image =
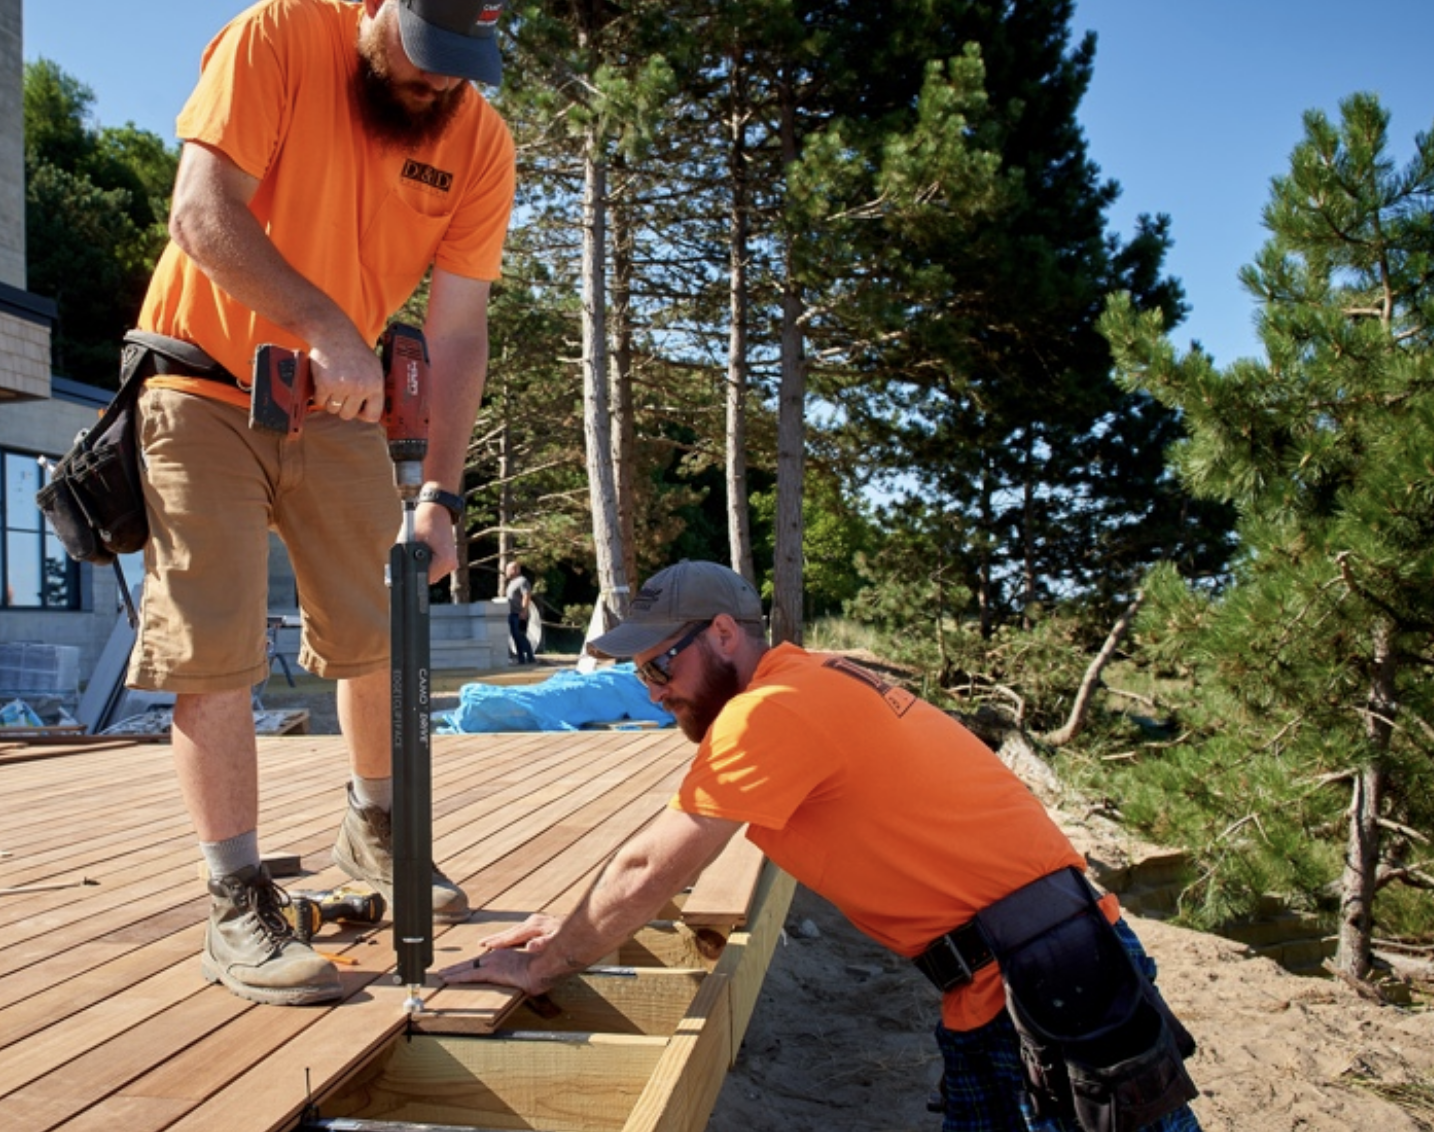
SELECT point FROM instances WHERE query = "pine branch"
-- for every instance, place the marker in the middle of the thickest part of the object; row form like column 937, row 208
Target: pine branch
column 1130, row 756
column 1300, row 616
column 1148, row 701
column 1280, row 734
column 1359, row 986
column 1395, row 827
column 1235, row 827
column 1413, row 878
column 1400, row 945
column 1405, row 623
column 1075, row 724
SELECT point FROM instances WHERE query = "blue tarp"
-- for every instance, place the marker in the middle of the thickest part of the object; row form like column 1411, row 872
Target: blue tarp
column 565, row 701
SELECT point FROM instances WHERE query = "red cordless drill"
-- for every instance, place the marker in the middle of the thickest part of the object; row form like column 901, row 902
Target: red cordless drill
column 283, row 389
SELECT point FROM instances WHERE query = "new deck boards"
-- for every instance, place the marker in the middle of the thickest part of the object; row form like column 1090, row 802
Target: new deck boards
column 105, row 1021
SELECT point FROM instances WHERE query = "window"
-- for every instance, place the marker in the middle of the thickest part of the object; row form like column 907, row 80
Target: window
column 38, row 573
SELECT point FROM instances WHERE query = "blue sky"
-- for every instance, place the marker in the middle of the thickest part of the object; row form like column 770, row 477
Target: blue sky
column 1194, row 106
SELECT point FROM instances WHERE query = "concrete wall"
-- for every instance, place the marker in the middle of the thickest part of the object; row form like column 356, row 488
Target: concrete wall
column 461, row 637
column 12, row 147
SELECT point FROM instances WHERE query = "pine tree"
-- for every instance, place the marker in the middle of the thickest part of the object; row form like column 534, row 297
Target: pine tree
column 958, row 330
column 1320, row 647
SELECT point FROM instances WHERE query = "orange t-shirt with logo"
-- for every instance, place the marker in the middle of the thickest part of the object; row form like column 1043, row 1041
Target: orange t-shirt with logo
column 879, row 801
column 359, row 220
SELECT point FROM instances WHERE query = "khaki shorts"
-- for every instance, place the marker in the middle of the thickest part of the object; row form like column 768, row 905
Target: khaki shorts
column 214, row 489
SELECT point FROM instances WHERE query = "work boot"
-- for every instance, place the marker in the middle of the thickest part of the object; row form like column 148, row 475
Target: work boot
column 252, row 950
column 364, row 850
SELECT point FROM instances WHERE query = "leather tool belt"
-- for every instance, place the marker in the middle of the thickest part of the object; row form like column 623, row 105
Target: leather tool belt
column 1098, row 1042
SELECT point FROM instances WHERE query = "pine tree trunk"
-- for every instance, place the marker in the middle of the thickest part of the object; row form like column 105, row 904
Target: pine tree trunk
column 739, row 535
column 597, row 410
column 1361, row 858
column 1361, row 861
column 506, row 551
column 1028, row 533
column 623, row 427
column 985, row 598
column 791, row 430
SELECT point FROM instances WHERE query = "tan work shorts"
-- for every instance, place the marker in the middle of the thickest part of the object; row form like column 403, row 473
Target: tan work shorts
column 214, row 488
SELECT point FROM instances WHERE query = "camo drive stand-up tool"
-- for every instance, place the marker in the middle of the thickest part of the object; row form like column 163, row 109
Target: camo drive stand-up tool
column 405, row 357
column 280, row 399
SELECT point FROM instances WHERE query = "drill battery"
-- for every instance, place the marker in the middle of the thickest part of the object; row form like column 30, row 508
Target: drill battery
column 282, row 388
column 307, row 912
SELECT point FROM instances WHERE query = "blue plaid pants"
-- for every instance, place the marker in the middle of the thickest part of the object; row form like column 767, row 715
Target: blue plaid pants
column 986, row 1086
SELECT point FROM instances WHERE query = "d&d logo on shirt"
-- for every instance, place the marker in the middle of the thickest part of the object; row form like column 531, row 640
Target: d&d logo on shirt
column 426, row 175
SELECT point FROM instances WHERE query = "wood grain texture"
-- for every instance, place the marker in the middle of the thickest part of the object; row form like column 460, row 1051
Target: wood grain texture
column 106, row 1023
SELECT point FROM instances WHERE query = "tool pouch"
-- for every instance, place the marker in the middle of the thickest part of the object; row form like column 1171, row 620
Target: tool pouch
column 1098, row 1041
column 94, row 500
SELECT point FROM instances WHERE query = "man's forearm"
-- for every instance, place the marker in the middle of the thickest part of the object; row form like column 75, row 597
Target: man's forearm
column 458, row 368
column 627, row 894
column 227, row 242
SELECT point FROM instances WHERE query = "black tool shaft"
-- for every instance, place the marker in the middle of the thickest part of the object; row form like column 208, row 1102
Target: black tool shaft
column 412, row 767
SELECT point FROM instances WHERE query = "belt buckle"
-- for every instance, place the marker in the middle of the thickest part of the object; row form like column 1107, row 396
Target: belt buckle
column 945, row 952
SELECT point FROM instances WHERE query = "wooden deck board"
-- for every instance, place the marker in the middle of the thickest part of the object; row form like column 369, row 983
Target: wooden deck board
column 105, row 1021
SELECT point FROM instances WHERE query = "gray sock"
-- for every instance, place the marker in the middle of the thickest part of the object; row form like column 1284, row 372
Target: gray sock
column 224, row 858
column 374, row 792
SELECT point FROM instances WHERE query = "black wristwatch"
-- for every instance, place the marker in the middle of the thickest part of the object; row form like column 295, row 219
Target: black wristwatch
column 452, row 501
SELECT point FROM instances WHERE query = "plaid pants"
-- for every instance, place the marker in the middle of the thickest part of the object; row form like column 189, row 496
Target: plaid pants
column 986, row 1086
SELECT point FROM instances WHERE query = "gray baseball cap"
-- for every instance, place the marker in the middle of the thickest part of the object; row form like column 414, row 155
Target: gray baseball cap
column 675, row 598
column 453, row 37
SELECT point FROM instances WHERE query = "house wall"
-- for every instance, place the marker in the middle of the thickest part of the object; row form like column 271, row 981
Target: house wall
column 12, row 147
column 47, row 428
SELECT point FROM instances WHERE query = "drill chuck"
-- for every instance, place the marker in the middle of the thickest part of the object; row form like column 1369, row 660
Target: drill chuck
column 407, row 475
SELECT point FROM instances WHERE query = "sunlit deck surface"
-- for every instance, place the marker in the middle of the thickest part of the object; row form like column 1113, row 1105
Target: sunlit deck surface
column 105, row 1020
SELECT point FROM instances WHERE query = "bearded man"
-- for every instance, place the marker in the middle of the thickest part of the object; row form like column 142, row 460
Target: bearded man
column 916, row 831
column 333, row 154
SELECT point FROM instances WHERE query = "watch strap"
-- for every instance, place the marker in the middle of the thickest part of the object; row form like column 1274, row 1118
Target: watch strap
column 450, row 500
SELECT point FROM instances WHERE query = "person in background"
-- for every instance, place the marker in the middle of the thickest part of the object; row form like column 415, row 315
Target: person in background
column 879, row 802
column 520, row 607
column 333, row 155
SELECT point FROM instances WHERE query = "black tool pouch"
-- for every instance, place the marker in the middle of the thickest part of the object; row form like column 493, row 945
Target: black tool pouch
column 1097, row 1040
column 94, row 500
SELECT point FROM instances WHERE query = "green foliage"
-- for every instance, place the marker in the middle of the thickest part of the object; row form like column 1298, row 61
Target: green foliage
column 1317, row 653
column 951, row 235
column 836, row 532
column 96, row 207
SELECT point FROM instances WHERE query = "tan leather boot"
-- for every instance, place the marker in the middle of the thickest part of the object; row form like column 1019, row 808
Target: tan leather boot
column 364, row 850
column 251, row 949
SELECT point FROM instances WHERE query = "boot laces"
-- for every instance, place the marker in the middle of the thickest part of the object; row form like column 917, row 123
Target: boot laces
column 268, row 901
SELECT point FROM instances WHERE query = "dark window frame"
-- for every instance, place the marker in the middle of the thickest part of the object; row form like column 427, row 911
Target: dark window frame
column 60, row 594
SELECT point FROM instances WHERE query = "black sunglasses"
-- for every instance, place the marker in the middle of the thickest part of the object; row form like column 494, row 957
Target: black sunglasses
column 658, row 671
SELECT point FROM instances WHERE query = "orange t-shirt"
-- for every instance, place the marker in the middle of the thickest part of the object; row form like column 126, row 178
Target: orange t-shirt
column 879, row 801
column 360, row 221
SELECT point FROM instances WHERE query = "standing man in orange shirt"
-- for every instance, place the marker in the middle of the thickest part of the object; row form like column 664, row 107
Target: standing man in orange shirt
column 915, row 830
column 333, row 154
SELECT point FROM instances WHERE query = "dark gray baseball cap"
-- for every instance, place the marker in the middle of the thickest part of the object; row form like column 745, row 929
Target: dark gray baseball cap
column 675, row 598
column 453, row 37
